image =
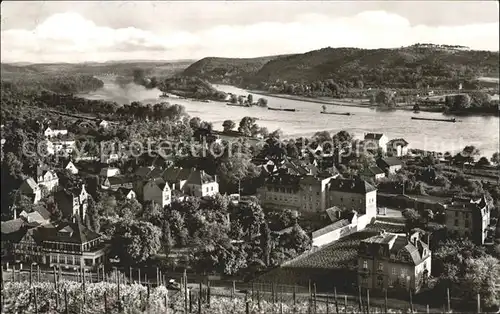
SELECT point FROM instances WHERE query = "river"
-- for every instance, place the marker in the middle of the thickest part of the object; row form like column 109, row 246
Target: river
column 480, row 131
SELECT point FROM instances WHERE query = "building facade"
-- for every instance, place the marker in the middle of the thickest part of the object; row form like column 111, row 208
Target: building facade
column 397, row 147
column 353, row 194
column 469, row 218
column 374, row 141
column 158, row 191
column 394, row 262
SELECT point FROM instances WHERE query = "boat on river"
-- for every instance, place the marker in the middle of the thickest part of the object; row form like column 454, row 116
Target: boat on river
column 337, row 113
column 236, row 105
column 282, row 109
column 440, row 120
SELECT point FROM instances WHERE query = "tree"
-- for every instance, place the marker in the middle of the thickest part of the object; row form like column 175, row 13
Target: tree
column 241, row 100
column 495, row 159
column 233, row 99
column 250, row 99
column 385, row 98
column 194, row 123
column 228, row 125
column 482, row 162
column 135, row 241
column 469, row 153
column 129, row 209
column 167, row 240
column 265, row 243
column 250, row 215
column 246, row 125
column 412, row 218
column 262, row 102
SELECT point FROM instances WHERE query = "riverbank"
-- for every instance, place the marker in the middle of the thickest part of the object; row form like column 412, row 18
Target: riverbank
column 352, row 103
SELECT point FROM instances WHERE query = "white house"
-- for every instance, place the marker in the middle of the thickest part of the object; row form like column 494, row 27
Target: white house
column 51, row 133
column 70, row 166
column 373, row 141
column 47, row 178
column 72, row 202
column 157, row 190
column 103, row 124
column 201, row 184
column 65, row 147
column 397, row 147
column 109, row 172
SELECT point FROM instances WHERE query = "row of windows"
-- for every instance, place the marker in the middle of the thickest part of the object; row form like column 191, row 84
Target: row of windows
column 467, row 223
column 404, row 271
column 466, row 214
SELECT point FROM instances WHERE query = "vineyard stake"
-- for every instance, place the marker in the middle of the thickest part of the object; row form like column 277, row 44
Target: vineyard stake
column 36, row 300
column 39, row 273
column 328, row 304
column 368, row 301
column 448, row 298
column 55, row 278
column 427, row 309
column 208, row 293
column 360, row 301
column 105, row 301
column 478, row 303
column 345, row 303
column 139, row 275
column 31, row 275
column 336, row 302
column 252, row 291
column 199, row 298
column 247, row 304
column 166, row 303
column 190, row 301
column 385, row 300
column 119, row 297
column 314, row 300
column 258, row 296
column 66, row 300
column 130, row 275
column 411, row 302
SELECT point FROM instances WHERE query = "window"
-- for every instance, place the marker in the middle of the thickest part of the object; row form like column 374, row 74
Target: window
column 342, row 199
column 456, row 214
column 403, row 272
column 365, row 264
column 380, row 266
column 456, row 222
column 317, row 193
column 394, row 270
column 467, row 224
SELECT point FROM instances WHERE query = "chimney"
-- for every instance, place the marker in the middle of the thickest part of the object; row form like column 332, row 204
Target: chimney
column 215, row 178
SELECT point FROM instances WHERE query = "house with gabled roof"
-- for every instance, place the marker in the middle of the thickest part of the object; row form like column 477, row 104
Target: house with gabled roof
column 125, row 193
column 201, row 184
column 397, row 147
column 30, row 188
column 374, row 173
column 396, row 262
column 353, row 194
column 53, row 132
column 374, row 141
column 47, row 178
column 72, row 202
column 158, row 191
column 390, row 165
column 70, row 166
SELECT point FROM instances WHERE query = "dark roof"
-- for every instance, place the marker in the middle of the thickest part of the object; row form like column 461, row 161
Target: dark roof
column 396, row 141
column 118, row 180
column 200, row 177
column 74, row 232
column 148, row 172
column 334, row 226
column 12, row 225
column 375, row 170
column 373, row 136
column 176, row 174
column 356, row 185
column 389, row 161
column 396, row 244
column 123, row 190
column 285, row 180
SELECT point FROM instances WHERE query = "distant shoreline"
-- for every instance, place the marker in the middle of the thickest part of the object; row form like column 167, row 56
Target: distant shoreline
column 361, row 105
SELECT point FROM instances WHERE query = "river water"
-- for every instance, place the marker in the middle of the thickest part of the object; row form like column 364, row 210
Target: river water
column 480, row 131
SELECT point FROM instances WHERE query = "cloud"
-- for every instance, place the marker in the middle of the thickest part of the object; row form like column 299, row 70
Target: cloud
column 70, row 37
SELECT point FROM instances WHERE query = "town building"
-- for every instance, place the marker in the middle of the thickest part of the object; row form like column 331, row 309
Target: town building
column 53, row 132
column 30, row 188
column 201, row 184
column 72, row 202
column 47, row 178
column 158, row 191
column 125, row 193
column 373, row 173
column 60, row 146
column 70, row 166
column 114, row 183
column 103, row 124
column 469, row 218
column 390, row 165
column 374, row 141
column 353, row 194
column 109, row 172
column 397, row 147
column 68, row 245
column 396, row 262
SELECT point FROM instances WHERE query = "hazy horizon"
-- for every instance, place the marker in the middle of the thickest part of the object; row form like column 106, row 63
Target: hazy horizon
column 79, row 31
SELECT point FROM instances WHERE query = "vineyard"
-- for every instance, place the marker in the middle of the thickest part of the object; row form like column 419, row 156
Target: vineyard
column 70, row 297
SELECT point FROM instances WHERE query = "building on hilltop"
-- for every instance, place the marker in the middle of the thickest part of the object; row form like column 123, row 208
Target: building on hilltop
column 469, row 218
column 46, row 178
column 201, row 184
column 395, row 262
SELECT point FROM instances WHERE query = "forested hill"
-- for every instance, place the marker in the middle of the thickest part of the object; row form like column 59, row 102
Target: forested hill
column 226, row 70
column 408, row 67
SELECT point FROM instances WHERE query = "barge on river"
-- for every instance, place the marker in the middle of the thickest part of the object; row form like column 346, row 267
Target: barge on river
column 337, row 113
column 453, row 120
column 280, row 109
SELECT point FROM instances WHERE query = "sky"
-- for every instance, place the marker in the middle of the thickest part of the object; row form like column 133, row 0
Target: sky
column 80, row 31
